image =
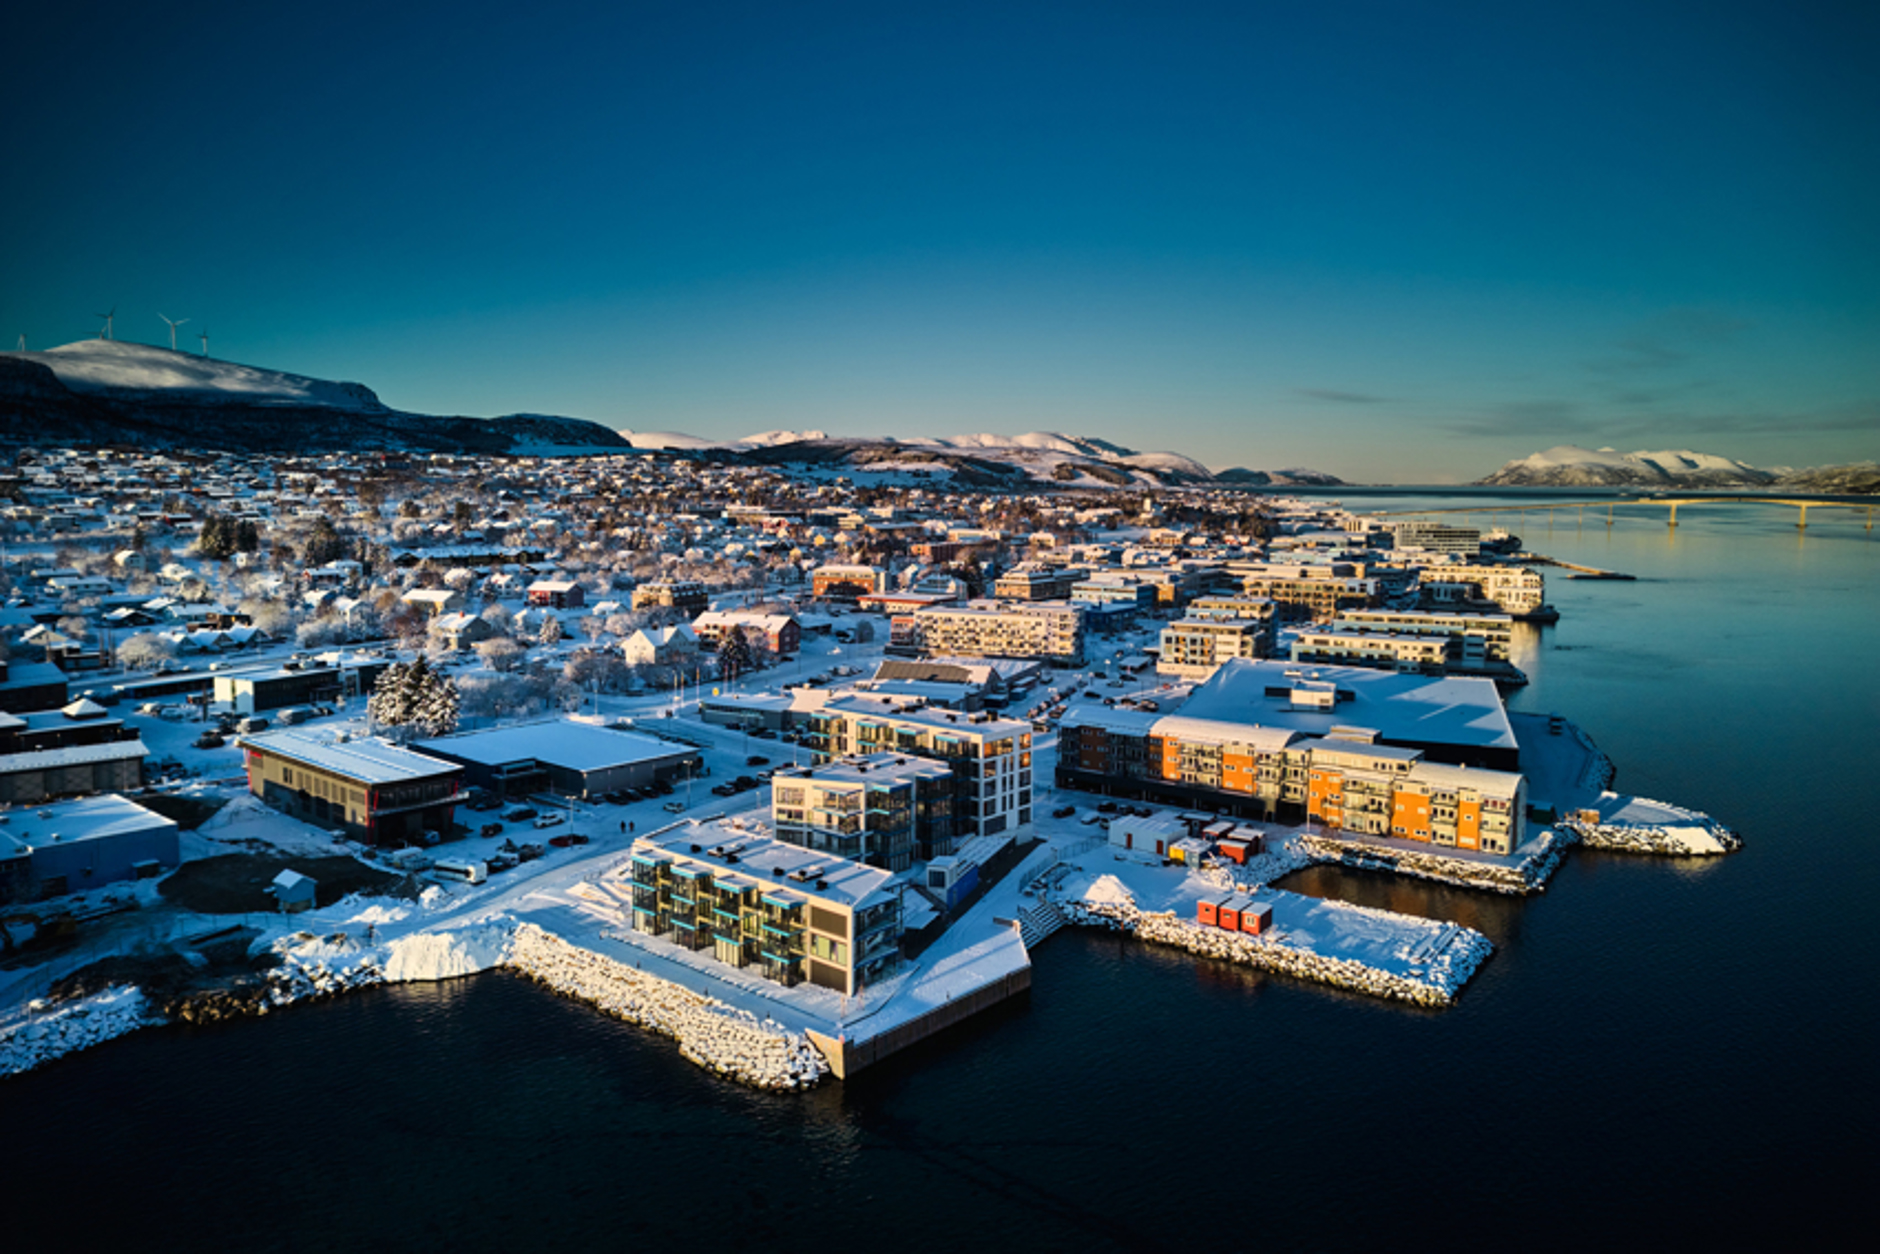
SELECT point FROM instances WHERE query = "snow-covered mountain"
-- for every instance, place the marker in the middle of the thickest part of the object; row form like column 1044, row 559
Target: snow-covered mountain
column 1571, row 465
column 657, row 440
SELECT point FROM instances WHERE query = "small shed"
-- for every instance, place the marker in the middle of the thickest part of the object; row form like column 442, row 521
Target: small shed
column 293, row 892
column 1189, row 850
column 1256, row 917
column 1227, row 914
column 1208, row 911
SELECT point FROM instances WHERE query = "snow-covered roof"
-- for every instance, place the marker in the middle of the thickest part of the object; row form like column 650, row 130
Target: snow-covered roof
column 771, row 865
column 1420, row 709
column 88, row 818
column 369, row 761
column 559, row 742
column 72, row 755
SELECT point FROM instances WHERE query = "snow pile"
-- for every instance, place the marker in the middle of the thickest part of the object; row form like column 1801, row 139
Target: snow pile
column 447, row 955
column 731, row 1042
column 73, row 1025
column 314, row 966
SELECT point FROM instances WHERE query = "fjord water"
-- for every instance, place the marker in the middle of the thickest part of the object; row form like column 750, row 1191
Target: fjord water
column 1660, row 1051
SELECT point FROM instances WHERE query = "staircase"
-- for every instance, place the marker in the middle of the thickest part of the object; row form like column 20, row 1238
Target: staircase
column 1038, row 920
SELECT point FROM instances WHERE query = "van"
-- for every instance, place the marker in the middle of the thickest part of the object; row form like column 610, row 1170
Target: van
column 464, row 872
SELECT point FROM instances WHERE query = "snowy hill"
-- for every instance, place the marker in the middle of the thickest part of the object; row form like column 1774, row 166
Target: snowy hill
column 1571, row 465
column 112, row 392
column 120, row 368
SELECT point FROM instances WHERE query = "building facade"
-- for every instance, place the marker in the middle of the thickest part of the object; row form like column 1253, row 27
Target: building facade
column 374, row 791
column 990, row 757
column 1194, row 648
column 1050, row 630
column 887, row 810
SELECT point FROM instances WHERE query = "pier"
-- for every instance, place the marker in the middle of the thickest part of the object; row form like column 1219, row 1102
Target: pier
column 1584, row 572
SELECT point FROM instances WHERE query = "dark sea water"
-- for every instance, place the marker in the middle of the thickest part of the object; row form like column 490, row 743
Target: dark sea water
column 1660, row 1053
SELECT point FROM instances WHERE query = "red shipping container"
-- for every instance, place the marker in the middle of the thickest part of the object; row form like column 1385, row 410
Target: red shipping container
column 1255, row 919
column 1207, row 913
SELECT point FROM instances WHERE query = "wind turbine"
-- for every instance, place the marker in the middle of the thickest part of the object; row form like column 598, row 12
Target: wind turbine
column 203, row 335
column 22, row 341
column 174, row 323
column 107, row 322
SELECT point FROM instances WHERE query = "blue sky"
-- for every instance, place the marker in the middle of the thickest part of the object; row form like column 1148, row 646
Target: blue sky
column 1397, row 242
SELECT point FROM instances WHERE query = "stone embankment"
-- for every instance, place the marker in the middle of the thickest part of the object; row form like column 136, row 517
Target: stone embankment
column 1444, row 964
column 1530, row 875
column 1697, row 835
column 720, row 1038
column 54, row 1031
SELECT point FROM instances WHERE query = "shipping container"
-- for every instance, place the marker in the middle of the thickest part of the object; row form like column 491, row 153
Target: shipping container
column 1256, row 917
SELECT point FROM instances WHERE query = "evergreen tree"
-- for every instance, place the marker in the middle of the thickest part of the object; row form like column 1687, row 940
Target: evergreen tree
column 410, row 697
column 247, row 536
column 324, row 544
column 734, row 653
column 217, row 539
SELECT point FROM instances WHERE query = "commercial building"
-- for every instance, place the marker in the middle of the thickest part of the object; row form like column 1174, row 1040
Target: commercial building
column 990, row 756
column 788, row 913
column 66, row 753
column 845, row 583
column 888, row 810
column 563, row 756
column 256, row 692
column 1050, row 630
column 71, row 846
column 374, row 791
column 1194, row 648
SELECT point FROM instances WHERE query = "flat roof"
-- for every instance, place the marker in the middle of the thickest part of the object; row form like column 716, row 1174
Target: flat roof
column 558, row 742
column 370, row 761
column 850, row 884
column 1449, row 710
column 88, row 818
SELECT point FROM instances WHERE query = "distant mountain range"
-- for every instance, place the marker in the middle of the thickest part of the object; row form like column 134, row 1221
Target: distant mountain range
column 1569, row 465
column 115, row 392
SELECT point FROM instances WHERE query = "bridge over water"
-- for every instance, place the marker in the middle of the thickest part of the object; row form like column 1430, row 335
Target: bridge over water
column 1610, row 504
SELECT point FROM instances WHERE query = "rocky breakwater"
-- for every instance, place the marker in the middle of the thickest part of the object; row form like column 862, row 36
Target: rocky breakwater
column 1681, row 834
column 48, row 1032
column 1529, row 875
column 1438, row 967
column 732, row 1042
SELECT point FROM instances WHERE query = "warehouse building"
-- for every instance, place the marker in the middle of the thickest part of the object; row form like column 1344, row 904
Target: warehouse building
column 71, row 846
column 563, row 756
column 371, row 790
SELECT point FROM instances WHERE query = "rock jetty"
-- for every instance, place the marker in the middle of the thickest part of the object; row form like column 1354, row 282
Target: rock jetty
column 52, row 1031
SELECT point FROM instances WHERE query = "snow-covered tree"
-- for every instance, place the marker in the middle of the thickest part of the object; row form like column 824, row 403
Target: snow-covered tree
column 145, row 651
column 501, row 654
column 551, row 630
column 734, row 653
column 410, row 697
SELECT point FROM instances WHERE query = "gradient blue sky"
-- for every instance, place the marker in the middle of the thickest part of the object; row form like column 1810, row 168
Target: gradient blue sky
column 1400, row 242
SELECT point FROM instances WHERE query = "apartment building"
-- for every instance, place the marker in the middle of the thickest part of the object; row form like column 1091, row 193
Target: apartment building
column 1029, row 584
column 1193, row 648
column 1483, row 644
column 1437, row 537
column 1516, row 590
column 1347, row 781
column 789, row 913
column 886, row 810
column 1422, row 655
column 1049, row 630
column 990, row 757
column 688, row 596
column 1307, row 591
column 780, row 633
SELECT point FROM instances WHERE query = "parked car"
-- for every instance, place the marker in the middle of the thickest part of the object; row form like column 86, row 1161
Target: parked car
column 567, row 839
column 757, row 759
column 517, row 816
column 249, row 726
column 529, row 853
column 484, row 801
column 209, row 740
column 1063, row 812
column 674, row 807
column 490, row 829
column 551, row 820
